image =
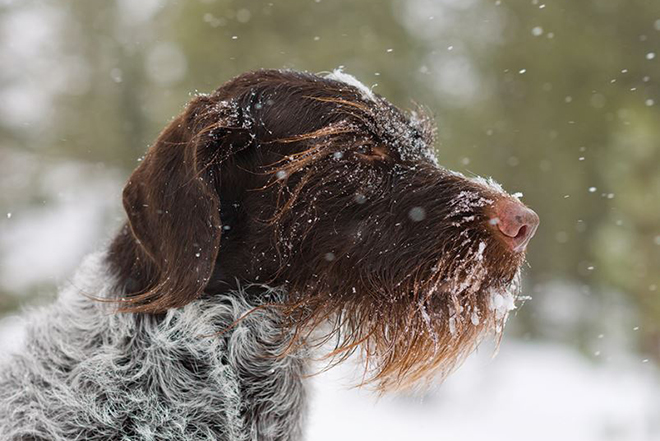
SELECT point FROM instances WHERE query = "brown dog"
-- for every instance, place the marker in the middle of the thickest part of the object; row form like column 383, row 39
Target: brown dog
column 319, row 186
column 281, row 212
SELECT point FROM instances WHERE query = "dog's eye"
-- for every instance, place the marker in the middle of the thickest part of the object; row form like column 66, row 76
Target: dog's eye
column 373, row 153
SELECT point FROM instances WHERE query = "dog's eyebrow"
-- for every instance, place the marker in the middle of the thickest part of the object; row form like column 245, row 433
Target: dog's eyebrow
column 324, row 131
column 339, row 101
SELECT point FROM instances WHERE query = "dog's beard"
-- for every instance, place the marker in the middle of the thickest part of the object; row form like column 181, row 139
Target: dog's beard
column 412, row 316
column 411, row 332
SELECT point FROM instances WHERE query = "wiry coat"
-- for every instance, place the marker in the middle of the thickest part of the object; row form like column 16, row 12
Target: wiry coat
column 87, row 373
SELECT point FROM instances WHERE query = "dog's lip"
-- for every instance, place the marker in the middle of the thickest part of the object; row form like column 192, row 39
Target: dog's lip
column 516, row 246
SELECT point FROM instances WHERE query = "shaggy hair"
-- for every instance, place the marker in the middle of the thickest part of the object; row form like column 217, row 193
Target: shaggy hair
column 90, row 374
column 282, row 212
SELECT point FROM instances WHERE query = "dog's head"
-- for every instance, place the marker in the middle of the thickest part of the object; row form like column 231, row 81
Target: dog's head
column 318, row 185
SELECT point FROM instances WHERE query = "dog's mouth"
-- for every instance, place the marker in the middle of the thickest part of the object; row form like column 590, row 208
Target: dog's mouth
column 416, row 330
column 480, row 284
column 462, row 300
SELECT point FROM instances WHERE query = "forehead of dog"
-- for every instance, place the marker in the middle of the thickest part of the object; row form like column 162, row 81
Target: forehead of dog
column 278, row 104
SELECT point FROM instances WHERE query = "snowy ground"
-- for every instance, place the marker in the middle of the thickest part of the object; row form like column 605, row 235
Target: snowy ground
column 530, row 391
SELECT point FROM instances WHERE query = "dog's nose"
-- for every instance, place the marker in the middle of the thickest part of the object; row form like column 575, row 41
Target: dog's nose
column 516, row 223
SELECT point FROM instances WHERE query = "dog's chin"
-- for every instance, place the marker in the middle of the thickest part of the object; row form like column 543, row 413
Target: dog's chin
column 412, row 339
column 436, row 340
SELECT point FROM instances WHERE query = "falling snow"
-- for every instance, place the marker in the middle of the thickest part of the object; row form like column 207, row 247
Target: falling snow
column 417, row 214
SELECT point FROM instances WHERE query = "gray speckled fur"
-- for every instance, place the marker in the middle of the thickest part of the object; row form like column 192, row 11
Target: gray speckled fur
column 87, row 373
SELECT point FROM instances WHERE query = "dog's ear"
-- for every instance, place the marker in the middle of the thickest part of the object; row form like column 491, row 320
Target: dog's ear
column 173, row 204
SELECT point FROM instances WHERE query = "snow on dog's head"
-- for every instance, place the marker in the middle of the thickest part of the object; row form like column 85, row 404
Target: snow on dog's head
column 342, row 77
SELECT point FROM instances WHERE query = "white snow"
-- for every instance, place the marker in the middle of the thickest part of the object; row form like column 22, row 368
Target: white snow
column 43, row 243
column 474, row 318
column 417, row 214
column 480, row 251
column 489, row 184
column 12, row 335
column 341, row 76
column 502, row 303
column 466, row 201
column 530, row 391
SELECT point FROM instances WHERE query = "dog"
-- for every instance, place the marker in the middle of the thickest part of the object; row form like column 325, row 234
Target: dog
column 284, row 214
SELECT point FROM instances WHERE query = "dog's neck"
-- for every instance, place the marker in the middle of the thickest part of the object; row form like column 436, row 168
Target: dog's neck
column 132, row 269
column 135, row 272
column 212, row 368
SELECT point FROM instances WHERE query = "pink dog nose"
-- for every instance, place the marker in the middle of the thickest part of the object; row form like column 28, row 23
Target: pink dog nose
column 515, row 222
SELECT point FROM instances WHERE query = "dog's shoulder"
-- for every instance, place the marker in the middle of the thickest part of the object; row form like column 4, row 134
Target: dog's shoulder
column 88, row 372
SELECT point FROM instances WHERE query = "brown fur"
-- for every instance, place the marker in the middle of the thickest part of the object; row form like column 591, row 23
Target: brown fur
column 294, row 180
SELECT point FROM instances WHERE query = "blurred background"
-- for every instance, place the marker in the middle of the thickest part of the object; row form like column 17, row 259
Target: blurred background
column 556, row 99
